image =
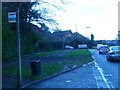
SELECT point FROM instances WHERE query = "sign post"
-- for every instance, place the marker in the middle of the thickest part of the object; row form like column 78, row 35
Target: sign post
column 12, row 19
column 19, row 84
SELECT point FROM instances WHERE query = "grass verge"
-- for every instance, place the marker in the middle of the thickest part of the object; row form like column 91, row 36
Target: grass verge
column 74, row 57
column 79, row 57
column 46, row 70
column 48, row 53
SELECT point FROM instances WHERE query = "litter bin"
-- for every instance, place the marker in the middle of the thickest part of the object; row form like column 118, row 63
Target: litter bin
column 35, row 67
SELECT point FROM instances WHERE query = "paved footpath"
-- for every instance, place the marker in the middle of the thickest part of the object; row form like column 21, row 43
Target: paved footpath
column 83, row 77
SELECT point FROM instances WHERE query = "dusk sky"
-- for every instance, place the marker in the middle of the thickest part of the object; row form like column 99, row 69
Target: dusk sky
column 101, row 16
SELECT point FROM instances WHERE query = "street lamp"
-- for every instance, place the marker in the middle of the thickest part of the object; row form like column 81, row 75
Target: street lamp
column 65, row 39
column 87, row 31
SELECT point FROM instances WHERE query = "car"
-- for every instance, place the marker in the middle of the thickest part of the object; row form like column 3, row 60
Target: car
column 82, row 46
column 98, row 46
column 68, row 47
column 103, row 49
column 113, row 54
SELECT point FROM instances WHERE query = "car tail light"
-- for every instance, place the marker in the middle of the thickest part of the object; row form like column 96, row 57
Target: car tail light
column 108, row 50
column 100, row 50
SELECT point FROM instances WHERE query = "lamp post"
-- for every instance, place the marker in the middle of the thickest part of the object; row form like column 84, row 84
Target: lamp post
column 64, row 40
column 87, row 31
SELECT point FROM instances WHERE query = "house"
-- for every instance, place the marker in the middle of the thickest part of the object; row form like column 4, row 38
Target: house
column 61, row 35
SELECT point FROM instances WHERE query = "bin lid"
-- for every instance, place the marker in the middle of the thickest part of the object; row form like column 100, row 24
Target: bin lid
column 35, row 61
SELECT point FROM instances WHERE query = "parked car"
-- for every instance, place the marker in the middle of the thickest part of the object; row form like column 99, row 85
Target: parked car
column 68, row 47
column 103, row 49
column 113, row 54
column 82, row 46
column 98, row 46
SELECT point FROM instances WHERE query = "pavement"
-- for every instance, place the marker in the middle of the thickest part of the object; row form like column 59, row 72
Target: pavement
column 87, row 76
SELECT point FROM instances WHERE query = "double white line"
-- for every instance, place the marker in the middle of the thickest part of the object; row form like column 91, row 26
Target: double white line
column 107, row 83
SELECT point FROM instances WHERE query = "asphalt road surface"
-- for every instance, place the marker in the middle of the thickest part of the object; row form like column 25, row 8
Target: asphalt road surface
column 109, row 69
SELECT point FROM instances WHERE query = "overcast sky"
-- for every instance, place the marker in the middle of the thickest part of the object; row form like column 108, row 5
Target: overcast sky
column 100, row 15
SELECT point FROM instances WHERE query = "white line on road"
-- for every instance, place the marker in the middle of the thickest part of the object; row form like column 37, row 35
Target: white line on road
column 95, row 77
column 108, row 83
column 103, row 77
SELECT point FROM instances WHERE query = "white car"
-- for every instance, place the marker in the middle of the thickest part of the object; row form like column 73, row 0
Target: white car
column 82, row 46
column 68, row 47
column 99, row 45
column 113, row 54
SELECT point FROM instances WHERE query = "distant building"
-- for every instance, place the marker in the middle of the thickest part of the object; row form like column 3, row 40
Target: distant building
column 60, row 35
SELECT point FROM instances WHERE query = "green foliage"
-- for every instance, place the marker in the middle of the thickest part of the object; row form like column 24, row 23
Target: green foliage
column 9, row 70
column 91, row 42
column 78, row 57
column 43, row 54
column 47, row 69
column 52, row 68
column 28, row 41
column 8, row 39
column 77, row 53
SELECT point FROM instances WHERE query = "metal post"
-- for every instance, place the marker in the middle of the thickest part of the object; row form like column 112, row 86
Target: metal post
column 87, row 31
column 63, row 42
column 19, row 83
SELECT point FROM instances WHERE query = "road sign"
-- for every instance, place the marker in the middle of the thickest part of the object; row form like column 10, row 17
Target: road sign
column 12, row 17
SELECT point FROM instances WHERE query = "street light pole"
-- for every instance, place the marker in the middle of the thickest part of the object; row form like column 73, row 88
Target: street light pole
column 63, row 42
column 87, row 31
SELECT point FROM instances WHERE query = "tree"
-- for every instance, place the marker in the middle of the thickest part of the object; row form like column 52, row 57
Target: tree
column 9, row 40
column 91, row 41
column 29, row 13
column 92, row 37
column 39, row 12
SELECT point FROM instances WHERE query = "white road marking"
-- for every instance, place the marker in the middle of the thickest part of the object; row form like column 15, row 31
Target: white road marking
column 104, row 79
column 107, row 83
column 68, row 81
column 95, row 77
column 107, row 75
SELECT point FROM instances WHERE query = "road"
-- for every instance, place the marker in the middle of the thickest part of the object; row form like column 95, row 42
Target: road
column 110, row 69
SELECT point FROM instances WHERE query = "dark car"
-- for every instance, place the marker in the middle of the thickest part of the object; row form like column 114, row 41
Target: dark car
column 103, row 49
column 113, row 54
